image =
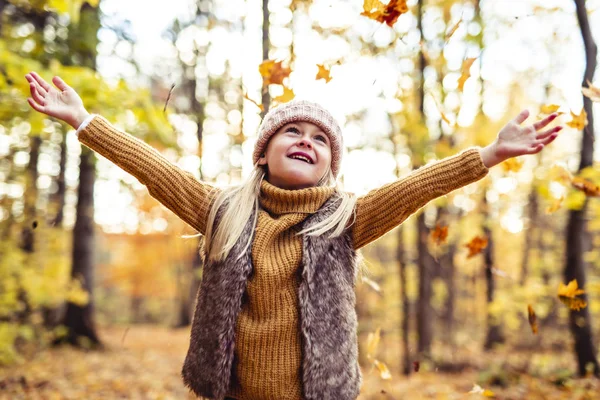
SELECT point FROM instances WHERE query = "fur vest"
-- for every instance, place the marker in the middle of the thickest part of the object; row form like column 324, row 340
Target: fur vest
column 327, row 316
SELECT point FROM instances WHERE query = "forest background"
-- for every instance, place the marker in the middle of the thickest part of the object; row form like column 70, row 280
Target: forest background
column 492, row 290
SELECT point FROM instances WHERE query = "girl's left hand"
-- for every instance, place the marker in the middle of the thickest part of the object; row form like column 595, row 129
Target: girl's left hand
column 515, row 140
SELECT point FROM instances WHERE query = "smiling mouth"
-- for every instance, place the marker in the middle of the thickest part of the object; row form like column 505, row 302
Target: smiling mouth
column 301, row 158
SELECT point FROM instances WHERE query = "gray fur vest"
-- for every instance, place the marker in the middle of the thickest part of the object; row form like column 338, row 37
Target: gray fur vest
column 327, row 317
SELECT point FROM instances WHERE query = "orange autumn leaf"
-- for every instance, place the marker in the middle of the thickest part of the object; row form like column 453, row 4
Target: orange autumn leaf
column 476, row 246
column 512, row 164
column 532, row 319
column 592, row 92
column 466, row 74
column 260, row 106
column 453, row 30
column 273, row 72
column 384, row 13
column 568, row 295
column 288, row 95
column 579, row 121
column 384, row 372
column 324, row 73
column 439, row 234
column 587, row 187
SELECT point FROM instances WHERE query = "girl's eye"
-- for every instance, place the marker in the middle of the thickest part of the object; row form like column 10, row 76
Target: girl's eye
column 322, row 139
column 292, row 129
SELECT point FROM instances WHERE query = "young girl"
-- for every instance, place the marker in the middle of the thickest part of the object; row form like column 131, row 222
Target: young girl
column 275, row 312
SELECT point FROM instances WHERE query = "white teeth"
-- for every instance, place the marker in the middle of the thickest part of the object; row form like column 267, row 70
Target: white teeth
column 299, row 157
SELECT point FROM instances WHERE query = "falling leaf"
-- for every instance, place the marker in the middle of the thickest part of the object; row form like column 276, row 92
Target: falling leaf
column 549, row 109
column 324, row 73
column 512, row 164
column 416, row 366
column 384, row 372
column 555, row 206
column 476, row 246
column 383, row 13
column 579, row 121
column 484, row 392
column 372, row 284
column 439, row 234
column 373, row 342
column 532, row 319
column 273, row 72
column 439, row 107
column 453, row 30
column 288, row 95
column 587, row 187
column 260, row 106
column 466, row 74
column 591, row 91
column 168, row 97
column 568, row 295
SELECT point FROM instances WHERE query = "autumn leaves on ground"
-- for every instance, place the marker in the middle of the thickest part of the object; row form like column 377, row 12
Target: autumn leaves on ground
column 143, row 362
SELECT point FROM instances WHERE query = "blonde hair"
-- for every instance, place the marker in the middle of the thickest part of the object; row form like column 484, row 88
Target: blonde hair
column 241, row 204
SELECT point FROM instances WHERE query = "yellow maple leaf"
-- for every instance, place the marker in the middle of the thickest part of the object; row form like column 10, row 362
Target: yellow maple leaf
column 273, row 72
column 476, row 246
column 549, row 108
column 439, row 234
column 592, row 92
column 532, row 319
column 466, row 74
column 568, row 295
column 570, row 290
column 288, row 95
column 324, row 73
column 384, row 13
column 384, row 372
column 512, row 164
column 579, row 121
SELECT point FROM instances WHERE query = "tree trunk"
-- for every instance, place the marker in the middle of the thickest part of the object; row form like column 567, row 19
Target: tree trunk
column 494, row 334
column 405, row 324
column 79, row 319
column 578, row 238
column 59, row 196
column 30, row 197
column 266, row 98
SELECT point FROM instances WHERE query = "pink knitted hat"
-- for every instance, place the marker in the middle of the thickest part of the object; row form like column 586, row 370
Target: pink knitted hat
column 301, row 110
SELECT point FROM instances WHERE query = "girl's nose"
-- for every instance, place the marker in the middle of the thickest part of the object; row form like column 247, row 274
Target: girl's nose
column 304, row 143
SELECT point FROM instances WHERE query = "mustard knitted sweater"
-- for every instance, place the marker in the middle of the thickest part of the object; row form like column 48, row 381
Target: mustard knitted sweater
column 268, row 342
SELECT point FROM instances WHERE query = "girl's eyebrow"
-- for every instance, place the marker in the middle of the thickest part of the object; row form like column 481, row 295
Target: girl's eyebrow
column 293, row 124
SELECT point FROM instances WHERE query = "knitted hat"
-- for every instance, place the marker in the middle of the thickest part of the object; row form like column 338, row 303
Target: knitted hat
column 301, row 110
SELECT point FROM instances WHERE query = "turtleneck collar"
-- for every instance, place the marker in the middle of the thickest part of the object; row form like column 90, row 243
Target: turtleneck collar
column 281, row 201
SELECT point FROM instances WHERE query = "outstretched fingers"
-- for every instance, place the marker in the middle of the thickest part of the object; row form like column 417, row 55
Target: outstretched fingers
column 40, row 81
column 60, row 83
column 542, row 123
column 521, row 117
column 36, row 95
column 548, row 132
column 35, row 105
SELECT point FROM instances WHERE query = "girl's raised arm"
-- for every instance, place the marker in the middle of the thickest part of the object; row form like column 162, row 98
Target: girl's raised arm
column 176, row 189
column 387, row 207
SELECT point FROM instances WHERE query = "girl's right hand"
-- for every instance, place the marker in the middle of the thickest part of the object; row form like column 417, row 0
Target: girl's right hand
column 61, row 102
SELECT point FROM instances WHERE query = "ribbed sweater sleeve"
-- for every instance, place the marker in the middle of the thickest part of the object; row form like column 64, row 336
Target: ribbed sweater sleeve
column 382, row 209
column 176, row 189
